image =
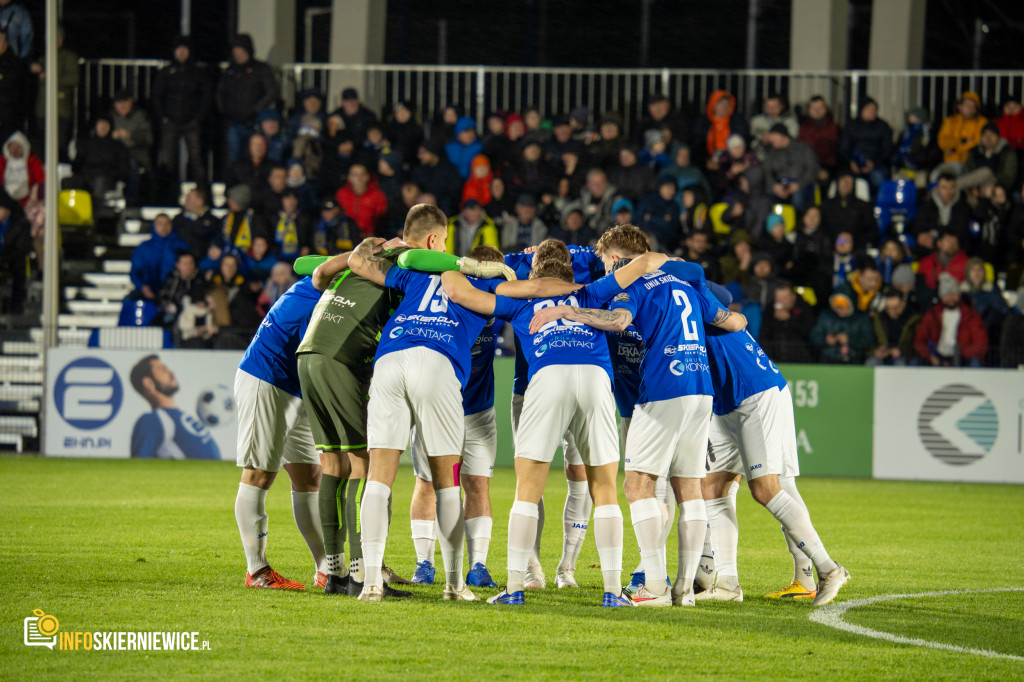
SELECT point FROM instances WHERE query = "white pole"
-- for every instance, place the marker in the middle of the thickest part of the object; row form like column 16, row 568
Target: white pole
column 51, row 274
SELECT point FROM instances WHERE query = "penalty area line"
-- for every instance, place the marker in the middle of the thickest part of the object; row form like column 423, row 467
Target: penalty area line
column 833, row 616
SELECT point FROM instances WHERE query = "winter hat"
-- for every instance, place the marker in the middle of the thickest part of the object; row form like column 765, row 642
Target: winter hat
column 667, row 179
column 736, row 141
column 652, row 137
column 268, row 115
column 463, row 124
column 920, row 113
column 241, row 195
column 903, row 275
column 349, row 94
column 393, row 159
column 779, row 129
column 622, row 205
column 244, row 41
column 991, row 128
column 773, row 220
column 948, row 285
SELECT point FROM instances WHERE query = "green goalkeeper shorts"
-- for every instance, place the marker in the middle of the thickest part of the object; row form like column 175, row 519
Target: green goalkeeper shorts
column 335, row 398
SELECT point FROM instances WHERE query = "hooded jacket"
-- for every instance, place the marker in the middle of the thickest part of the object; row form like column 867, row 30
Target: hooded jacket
column 710, row 134
column 181, row 92
column 478, row 188
column 971, row 337
column 153, row 260
column 1011, row 128
column 19, row 176
column 245, row 89
column 958, row 135
column 462, row 155
column 101, row 156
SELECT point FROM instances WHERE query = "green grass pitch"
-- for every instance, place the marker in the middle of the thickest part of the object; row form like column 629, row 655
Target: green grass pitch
column 152, row 545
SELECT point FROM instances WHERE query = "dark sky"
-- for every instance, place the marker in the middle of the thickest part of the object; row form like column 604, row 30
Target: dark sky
column 598, row 33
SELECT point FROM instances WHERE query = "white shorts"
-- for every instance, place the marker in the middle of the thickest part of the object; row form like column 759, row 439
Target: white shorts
column 623, row 432
column 272, row 426
column 787, row 422
column 569, row 399
column 415, row 386
column 670, row 437
column 749, row 440
column 570, row 452
column 478, row 450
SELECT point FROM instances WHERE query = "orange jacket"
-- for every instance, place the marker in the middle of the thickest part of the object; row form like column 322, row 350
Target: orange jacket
column 958, row 136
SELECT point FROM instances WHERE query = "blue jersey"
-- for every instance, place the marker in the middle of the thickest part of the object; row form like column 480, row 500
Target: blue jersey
column 169, row 433
column 426, row 317
column 739, row 367
column 669, row 312
column 478, row 395
column 627, row 353
column 271, row 353
column 560, row 342
column 586, row 268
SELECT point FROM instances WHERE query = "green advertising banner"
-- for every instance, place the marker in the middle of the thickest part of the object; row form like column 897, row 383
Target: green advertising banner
column 834, row 409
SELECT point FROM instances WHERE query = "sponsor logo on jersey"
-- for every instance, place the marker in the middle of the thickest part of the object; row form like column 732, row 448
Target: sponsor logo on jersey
column 427, row 319
column 678, row 367
column 540, row 351
column 396, row 332
column 685, row 348
column 621, row 297
column 338, row 299
column 425, row 333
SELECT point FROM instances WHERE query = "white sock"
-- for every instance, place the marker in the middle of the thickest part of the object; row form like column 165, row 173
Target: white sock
column 693, row 525
column 725, row 534
column 450, row 533
column 336, row 565
column 646, row 517
column 666, row 498
column 706, row 568
column 575, row 519
column 535, row 553
column 251, row 515
column 797, row 522
column 803, row 568
column 608, row 536
column 423, row 539
column 478, row 539
column 306, row 510
column 373, row 517
column 522, row 529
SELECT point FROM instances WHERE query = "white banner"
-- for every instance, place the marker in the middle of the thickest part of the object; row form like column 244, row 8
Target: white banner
column 949, row 425
column 173, row 404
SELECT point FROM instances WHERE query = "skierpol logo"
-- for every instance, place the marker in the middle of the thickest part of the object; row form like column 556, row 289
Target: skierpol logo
column 88, row 393
column 958, row 424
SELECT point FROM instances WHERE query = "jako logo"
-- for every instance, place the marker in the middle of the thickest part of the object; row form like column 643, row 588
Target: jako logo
column 41, row 630
column 396, row 332
column 958, row 424
column 88, row 393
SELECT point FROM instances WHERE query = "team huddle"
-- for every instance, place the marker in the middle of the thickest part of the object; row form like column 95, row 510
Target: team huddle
column 394, row 344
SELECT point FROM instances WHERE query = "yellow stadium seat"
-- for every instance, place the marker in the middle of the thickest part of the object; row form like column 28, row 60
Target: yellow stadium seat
column 990, row 273
column 715, row 213
column 788, row 214
column 74, row 208
column 807, row 293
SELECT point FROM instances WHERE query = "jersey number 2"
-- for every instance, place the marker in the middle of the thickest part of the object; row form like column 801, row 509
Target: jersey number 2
column 689, row 326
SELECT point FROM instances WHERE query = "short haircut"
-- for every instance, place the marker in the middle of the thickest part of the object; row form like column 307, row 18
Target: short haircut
column 182, row 254
column 162, row 215
column 203, row 194
column 891, row 292
column 552, row 249
column 948, row 177
column 868, row 264
column 484, row 252
column 279, row 166
column 626, row 240
column 423, row 219
column 143, row 369
column 553, row 268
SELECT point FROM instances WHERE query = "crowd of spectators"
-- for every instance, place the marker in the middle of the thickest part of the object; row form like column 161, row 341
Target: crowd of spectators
column 780, row 207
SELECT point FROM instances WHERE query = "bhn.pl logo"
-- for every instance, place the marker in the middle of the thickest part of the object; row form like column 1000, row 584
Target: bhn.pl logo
column 88, row 393
column 958, row 424
column 41, row 629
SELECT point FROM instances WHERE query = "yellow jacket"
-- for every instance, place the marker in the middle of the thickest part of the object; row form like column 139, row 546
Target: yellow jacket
column 486, row 233
column 958, row 136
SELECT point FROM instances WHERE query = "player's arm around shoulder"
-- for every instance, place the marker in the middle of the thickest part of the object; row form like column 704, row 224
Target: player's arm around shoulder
column 460, row 291
column 328, row 270
column 730, row 321
column 605, row 320
column 366, row 261
column 638, row 267
column 542, row 287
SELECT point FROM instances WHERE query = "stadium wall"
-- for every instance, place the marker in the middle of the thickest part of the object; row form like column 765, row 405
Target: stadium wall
column 852, row 422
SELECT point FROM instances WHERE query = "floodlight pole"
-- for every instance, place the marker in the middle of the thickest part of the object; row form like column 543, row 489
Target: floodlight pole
column 50, row 264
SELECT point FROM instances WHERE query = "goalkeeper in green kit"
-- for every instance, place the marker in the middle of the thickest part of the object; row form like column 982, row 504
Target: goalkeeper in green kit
column 335, row 361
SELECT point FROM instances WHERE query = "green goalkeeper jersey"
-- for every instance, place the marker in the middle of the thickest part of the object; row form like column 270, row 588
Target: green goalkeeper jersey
column 347, row 320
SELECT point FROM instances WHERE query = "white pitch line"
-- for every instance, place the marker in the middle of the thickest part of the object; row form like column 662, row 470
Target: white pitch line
column 832, row 616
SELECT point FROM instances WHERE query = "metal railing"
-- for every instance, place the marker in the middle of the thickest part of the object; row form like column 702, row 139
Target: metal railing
column 480, row 89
